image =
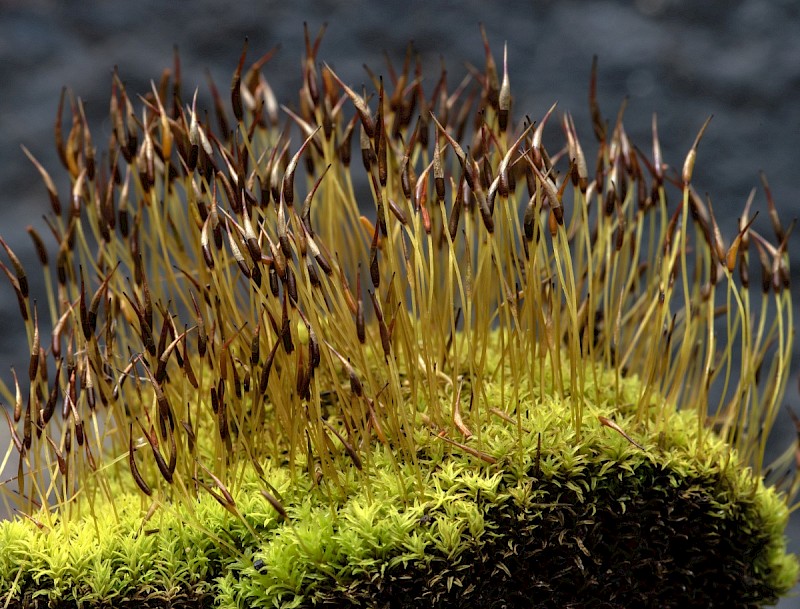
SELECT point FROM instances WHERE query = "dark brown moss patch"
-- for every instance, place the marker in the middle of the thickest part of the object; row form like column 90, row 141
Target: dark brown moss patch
column 638, row 542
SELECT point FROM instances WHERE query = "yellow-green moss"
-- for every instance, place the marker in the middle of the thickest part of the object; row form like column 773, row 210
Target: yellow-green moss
column 474, row 529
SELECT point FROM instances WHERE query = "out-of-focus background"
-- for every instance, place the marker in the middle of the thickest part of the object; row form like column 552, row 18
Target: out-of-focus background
column 683, row 60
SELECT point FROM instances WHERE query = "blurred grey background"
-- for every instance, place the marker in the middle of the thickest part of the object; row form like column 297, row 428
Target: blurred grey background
column 684, row 60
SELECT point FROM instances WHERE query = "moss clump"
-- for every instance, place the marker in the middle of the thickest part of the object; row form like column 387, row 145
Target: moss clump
column 540, row 520
column 526, row 378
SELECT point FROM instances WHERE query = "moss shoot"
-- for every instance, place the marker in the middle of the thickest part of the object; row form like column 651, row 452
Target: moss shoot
column 383, row 349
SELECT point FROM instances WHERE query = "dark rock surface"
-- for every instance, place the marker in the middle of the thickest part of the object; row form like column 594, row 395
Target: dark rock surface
column 683, row 60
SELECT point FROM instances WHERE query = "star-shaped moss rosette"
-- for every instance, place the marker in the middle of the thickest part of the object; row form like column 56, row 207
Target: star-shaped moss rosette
column 523, row 378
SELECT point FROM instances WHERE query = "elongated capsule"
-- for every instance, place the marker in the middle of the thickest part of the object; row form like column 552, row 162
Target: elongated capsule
column 33, row 366
column 137, row 477
column 275, row 504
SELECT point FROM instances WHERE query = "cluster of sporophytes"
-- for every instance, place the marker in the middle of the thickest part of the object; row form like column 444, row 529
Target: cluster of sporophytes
column 385, row 349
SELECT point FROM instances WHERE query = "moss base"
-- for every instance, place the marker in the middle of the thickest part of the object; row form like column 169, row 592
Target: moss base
column 595, row 523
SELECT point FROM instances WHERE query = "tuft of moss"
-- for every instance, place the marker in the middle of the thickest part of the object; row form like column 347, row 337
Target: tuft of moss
column 524, row 379
column 542, row 520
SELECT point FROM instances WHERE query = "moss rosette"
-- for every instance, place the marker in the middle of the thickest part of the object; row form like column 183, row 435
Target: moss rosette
column 557, row 521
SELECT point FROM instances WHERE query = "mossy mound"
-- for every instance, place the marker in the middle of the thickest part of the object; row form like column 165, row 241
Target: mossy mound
column 555, row 521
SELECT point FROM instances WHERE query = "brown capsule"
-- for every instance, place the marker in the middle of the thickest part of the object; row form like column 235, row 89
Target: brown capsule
column 609, row 423
column 773, row 212
column 236, row 88
column 90, row 457
column 380, row 139
column 79, row 435
column 91, row 397
column 422, row 136
column 58, row 329
column 313, row 277
column 27, row 423
column 291, row 286
column 408, row 181
column 194, row 137
column 207, row 257
column 52, row 192
column 286, row 330
column 222, row 421
column 62, row 462
column 688, row 164
column 504, row 96
column 160, row 461
column 41, row 250
column 237, row 253
column 361, row 107
column 50, row 406
column 458, row 420
column 374, row 269
column 398, row 213
column 279, row 261
column 486, row 175
column 486, row 214
column 19, row 270
column 256, row 275
column 360, row 325
column 13, row 432
column 314, row 356
column 355, row 383
column 191, row 438
column 375, row 422
column 438, row 172
column 351, row 452
column 552, row 223
column 483, row 456
column 384, row 331
column 732, row 254
column 17, row 396
column 265, row 371
column 273, row 281
column 345, row 148
column 458, row 205
column 366, row 150
column 251, row 241
column 529, row 219
column 137, row 477
column 163, row 354
column 21, row 301
column 275, row 504
column 33, row 366
column 144, row 329
column 43, row 365
column 226, row 495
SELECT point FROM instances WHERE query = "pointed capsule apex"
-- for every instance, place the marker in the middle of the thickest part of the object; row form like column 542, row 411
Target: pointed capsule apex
column 688, row 164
